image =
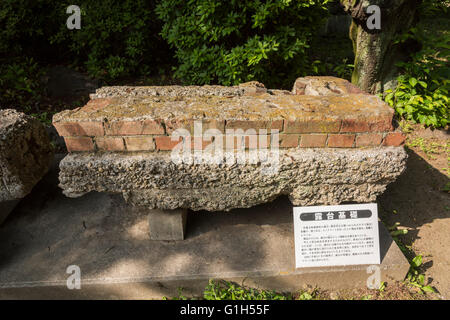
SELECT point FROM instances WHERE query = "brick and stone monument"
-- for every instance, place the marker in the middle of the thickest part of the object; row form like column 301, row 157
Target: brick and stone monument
column 172, row 148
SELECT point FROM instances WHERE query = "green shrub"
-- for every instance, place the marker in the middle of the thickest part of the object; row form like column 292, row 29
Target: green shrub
column 117, row 38
column 422, row 93
column 25, row 26
column 229, row 42
column 19, row 84
column 434, row 7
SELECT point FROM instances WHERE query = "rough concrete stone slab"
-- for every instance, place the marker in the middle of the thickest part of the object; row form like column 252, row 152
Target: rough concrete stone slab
column 109, row 241
column 25, row 156
column 307, row 176
column 167, row 224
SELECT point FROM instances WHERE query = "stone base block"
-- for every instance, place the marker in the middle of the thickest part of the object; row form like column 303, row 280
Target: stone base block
column 25, row 154
column 167, row 224
column 108, row 241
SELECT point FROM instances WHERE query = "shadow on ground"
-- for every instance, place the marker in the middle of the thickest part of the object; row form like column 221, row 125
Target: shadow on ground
column 99, row 233
column 47, row 232
column 418, row 202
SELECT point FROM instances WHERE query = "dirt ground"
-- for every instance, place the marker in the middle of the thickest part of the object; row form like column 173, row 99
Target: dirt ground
column 420, row 201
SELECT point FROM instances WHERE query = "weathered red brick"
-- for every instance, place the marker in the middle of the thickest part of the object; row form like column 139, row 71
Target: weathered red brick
column 313, row 140
column 189, row 124
column 289, row 140
column 277, row 125
column 172, row 125
column 368, row 140
column 233, row 142
column 312, row 126
column 110, row 144
column 166, row 142
column 75, row 144
column 135, row 127
column 382, row 125
column 254, row 124
column 241, row 142
column 355, row 125
column 197, row 143
column 341, row 140
column 394, row 139
column 140, row 143
column 79, row 129
column 262, row 142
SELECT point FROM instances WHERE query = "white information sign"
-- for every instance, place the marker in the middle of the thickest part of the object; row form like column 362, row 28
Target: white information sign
column 336, row 235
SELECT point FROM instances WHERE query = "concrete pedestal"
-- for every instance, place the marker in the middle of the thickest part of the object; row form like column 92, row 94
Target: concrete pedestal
column 167, row 224
column 109, row 241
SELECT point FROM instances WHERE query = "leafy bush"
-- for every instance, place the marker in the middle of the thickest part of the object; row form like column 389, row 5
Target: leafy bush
column 19, row 84
column 422, row 93
column 432, row 7
column 116, row 39
column 24, row 31
column 25, row 28
column 230, row 42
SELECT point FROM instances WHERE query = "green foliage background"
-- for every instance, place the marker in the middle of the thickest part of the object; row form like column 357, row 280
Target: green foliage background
column 117, row 38
column 233, row 41
column 422, row 93
column 206, row 42
column 24, row 33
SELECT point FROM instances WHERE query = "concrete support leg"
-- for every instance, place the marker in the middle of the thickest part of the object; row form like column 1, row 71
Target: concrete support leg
column 167, row 224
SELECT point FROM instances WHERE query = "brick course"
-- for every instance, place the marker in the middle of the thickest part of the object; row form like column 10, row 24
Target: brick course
column 341, row 140
column 313, row 140
column 147, row 123
column 289, row 140
column 394, row 139
column 75, row 144
column 77, row 129
column 312, row 126
column 166, row 142
column 369, row 140
column 110, row 144
column 142, row 127
column 142, row 143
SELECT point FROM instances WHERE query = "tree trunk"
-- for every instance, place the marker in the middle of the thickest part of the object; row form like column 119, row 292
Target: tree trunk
column 375, row 51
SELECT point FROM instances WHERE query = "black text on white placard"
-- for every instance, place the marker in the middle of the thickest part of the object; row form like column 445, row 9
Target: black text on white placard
column 336, row 235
